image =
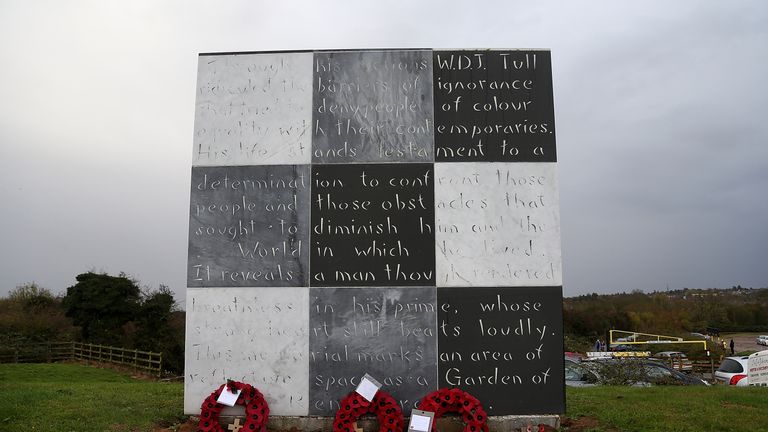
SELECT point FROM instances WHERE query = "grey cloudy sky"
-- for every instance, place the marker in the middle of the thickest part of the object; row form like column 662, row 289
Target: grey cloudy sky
column 660, row 112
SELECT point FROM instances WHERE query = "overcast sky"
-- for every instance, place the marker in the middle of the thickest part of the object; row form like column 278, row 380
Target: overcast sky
column 661, row 116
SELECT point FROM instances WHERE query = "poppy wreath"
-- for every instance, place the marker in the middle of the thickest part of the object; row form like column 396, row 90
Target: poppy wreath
column 353, row 406
column 455, row 400
column 256, row 408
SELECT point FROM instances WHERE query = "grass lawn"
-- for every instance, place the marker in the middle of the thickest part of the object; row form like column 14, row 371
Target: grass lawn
column 671, row 408
column 72, row 397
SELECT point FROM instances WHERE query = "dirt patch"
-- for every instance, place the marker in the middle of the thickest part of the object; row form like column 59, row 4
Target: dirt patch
column 188, row 426
column 582, row 424
column 133, row 373
column 736, row 405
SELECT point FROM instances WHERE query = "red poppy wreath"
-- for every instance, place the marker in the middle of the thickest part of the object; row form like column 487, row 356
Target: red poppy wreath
column 383, row 405
column 256, row 408
column 455, row 400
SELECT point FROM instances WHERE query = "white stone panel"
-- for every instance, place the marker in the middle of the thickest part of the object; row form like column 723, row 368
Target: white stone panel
column 497, row 224
column 254, row 335
column 253, row 109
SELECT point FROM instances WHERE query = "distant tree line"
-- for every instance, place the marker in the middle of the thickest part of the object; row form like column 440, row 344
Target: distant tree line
column 672, row 312
column 99, row 309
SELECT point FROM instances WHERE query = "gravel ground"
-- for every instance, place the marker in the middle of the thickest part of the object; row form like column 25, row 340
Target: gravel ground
column 744, row 342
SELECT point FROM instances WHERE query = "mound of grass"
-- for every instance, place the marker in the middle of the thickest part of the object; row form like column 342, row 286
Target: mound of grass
column 78, row 398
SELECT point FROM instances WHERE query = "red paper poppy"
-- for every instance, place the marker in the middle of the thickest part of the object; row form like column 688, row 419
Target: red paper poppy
column 256, row 408
column 385, row 407
column 456, row 400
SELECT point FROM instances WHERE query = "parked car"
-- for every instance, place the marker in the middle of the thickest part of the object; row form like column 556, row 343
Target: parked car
column 578, row 374
column 627, row 371
column 733, row 371
column 762, row 340
column 676, row 359
column 569, row 355
column 621, row 347
column 660, row 373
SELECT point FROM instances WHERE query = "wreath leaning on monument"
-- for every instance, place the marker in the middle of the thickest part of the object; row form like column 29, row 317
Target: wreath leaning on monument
column 456, row 400
column 256, row 408
column 353, row 406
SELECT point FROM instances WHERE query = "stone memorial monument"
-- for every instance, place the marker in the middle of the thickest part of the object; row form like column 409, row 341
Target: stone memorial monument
column 390, row 212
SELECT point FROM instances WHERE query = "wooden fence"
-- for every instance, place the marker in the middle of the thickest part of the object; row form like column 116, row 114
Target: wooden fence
column 37, row 353
column 700, row 365
column 145, row 361
column 705, row 365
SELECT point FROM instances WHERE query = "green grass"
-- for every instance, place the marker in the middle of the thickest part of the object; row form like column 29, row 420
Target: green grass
column 71, row 397
column 671, row 408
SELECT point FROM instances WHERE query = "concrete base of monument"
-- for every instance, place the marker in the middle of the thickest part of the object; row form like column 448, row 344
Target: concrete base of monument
column 512, row 423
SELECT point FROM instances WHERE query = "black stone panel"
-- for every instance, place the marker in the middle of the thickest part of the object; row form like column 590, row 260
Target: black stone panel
column 494, row 106
column 249, row 226
column 372, row 225
column 372, row 106
column 388, row 333
column 505, row 346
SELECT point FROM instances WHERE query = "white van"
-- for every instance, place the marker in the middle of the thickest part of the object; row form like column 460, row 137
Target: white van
column 757, row 369
column 762, row 340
